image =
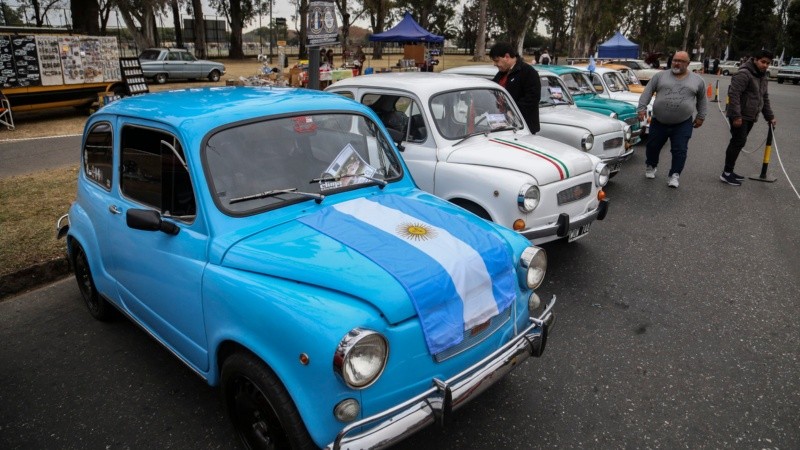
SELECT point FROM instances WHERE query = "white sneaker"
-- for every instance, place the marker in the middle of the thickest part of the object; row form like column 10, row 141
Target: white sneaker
column 650, row 172
column 673, row 180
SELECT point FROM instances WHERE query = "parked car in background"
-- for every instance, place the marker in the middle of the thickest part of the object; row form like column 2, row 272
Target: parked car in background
column 606, row 137
column 163, row 64
column 273, row 240
column 790, row 72
column 634, row 85
column 582, row 87
column 729, row 67
column 464, row 140
column 642, row 70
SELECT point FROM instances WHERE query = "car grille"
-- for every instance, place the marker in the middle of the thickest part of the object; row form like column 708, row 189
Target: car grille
column 471, row 340
column 574, row 193
column 612, row 143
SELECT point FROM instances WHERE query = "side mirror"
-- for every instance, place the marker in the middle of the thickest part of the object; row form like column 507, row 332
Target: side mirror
column 149, row 220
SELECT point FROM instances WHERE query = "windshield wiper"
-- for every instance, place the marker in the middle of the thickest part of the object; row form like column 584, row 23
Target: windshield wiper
column 473, row 134
column 275, row 192
column 378, row 181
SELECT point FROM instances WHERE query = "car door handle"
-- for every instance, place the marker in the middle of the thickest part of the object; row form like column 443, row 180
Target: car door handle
column 114, row 210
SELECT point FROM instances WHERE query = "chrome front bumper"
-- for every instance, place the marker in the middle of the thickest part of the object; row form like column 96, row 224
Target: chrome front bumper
column 565, row 223
column 438, row 402
column 614, row 161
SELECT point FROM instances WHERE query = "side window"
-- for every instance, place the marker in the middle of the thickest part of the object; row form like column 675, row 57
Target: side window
column 391, row 109
column 597, row 83
column 153, row 172
column 347, row 94
column 417, row 131
column 98, row 155
column 174, row 56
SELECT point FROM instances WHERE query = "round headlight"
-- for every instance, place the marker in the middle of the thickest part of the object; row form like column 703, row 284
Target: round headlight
column 613, row 115
column 534, row 261
column 587, row 141
column 361, row 357
column 528, row 198
column 628, row 132
column 601, row 174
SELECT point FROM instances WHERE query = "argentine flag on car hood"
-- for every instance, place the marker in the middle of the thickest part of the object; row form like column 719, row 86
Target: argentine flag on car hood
column 456, row 274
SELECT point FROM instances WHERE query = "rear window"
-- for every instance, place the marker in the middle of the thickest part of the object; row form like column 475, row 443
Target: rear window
column 149, row 55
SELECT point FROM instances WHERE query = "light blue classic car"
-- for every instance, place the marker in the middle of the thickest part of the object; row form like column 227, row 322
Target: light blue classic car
column 273, row 240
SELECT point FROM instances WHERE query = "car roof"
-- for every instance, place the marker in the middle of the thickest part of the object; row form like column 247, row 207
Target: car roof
column 488, row 69
column 612, row 66
column 424, row 84
column 208, row 108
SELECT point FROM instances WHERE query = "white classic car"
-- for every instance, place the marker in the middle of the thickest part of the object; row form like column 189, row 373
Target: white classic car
column 607, row 138
column 642, row 70
column 609, row 83
column 464, row 140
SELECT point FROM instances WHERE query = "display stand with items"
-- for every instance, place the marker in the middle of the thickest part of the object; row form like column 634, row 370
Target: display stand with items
column 133, row 76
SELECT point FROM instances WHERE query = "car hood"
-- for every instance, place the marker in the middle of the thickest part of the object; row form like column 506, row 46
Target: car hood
column 297, row 251
column 626, row 96
column 567, row 115
column 544, row 159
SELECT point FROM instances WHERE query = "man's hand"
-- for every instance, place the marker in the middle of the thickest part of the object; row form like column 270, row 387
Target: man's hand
column 642, row 115
column 773, row 122
column 736, row 122
column 698, row 123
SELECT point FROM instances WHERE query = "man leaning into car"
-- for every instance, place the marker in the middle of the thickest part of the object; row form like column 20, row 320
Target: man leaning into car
column 520, row 80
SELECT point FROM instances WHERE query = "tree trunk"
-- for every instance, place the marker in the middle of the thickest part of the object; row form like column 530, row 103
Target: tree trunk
column 85, row 14
column 480, row 38
column 199, row 30
column 236, row 51
column 176, row 22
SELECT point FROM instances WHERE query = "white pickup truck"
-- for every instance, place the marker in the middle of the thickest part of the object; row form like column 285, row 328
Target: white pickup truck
column 790, row 72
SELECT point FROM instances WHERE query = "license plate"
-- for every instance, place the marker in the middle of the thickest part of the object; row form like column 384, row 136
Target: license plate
column 615, row 167
column 577, row 233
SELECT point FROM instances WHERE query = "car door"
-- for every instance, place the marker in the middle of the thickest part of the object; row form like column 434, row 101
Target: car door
column 174, row 65
column 402, row 113
column 158, row 274
column 192, row 68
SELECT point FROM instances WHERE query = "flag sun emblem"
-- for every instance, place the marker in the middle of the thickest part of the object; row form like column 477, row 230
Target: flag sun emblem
column 416, row 231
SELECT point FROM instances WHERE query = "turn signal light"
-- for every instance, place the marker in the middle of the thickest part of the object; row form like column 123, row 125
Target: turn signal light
column 519, row 224
column 601, row 194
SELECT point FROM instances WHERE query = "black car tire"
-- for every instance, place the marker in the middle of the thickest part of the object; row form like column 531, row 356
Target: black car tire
column 725, row 72
column 261, row 411
column 160, row 78
column 780, row 80
column 795, row 81
column 98, row 307
column 214, row 76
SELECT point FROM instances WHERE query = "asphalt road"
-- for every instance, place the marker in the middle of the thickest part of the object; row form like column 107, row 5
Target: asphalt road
column 677, row 328
column 23, row 156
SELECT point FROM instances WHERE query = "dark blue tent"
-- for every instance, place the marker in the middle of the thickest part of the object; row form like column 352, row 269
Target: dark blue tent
column 408, row 30
column 618, row 47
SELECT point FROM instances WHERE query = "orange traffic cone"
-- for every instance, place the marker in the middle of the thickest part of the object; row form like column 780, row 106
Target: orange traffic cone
column 709, row 92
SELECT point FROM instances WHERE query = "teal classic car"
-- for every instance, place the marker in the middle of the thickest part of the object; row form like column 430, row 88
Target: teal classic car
column 585, row 96
column 273, row 240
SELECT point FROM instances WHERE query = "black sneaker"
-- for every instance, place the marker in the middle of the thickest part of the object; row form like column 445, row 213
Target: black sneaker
column 737, row 176
column 730, row 179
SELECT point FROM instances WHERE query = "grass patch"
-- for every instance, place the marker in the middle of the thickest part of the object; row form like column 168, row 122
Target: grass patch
column 30, row 205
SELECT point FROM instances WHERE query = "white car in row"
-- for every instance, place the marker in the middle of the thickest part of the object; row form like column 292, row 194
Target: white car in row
column 607, row 138
column 464, row 140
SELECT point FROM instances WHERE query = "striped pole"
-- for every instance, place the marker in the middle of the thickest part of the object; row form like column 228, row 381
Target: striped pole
column 716, row 92
column 765, row 164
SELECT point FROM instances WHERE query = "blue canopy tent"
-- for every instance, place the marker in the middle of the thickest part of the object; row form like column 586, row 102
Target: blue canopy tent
column 618, row 47
column 408, row 31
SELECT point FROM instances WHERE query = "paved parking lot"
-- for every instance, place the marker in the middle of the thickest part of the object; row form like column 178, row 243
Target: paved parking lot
column 677, row 327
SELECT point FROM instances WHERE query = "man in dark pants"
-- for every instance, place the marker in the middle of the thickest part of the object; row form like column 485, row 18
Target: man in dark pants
column 747, row 96
column 520, row 79
column 680, row 95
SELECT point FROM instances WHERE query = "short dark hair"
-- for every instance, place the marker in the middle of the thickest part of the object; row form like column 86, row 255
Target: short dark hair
column 500, row 49
column 763, row 54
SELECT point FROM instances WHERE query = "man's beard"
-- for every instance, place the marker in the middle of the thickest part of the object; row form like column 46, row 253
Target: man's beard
column 677, row 71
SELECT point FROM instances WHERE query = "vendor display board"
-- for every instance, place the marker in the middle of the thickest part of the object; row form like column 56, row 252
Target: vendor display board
column 71, row 61
column 132, row 74
column 92, row 60
column 110, row 56
column 8, row 76
column 49, row 60
column 26, row 60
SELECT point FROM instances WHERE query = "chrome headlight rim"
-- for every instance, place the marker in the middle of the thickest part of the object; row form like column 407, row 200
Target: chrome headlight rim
column 587, row 142
column 534, row 261
column 628, row 132
column 354, row 340
column 528, row 198
column 613, row 115
column 601, row 174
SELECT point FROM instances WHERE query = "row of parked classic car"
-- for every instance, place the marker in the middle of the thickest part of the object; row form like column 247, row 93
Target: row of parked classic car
column 326, row 261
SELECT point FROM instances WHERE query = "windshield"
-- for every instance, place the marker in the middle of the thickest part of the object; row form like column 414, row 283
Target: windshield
column 577, row 83
column 615, row 82
column 459, row 114
column 276, row 162
column 629, row 76
column 554, row 92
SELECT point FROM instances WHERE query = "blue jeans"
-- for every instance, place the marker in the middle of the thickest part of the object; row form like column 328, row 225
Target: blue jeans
column 678, row 135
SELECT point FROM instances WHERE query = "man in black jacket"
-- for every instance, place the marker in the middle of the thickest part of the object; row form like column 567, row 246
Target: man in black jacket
column 520, row 79
column 747, row 97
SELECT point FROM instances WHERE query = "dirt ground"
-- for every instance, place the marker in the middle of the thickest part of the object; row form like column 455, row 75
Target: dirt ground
column 70, row 121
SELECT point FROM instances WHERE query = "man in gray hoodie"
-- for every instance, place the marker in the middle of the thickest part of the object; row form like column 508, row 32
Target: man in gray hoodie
column 681, row 94
column 747, row 96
